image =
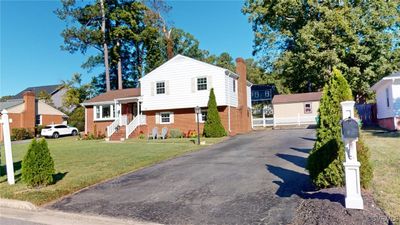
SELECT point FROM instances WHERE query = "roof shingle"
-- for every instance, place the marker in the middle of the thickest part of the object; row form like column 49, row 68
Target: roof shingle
column 302, row 97
column 114, row 94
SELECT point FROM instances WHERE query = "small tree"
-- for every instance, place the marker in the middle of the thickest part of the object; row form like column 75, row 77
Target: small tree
column 38, row 165
column 325, row 161
column 213, row 126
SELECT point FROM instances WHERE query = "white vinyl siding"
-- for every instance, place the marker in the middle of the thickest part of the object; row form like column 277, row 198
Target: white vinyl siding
column 232, row 96
column 386, row 96
column 180, row 75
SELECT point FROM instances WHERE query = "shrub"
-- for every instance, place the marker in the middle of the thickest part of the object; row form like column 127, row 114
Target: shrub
column 325, row 160
column 38, row 130
column 175, row 133
column 213, row 126
column 38, row 165
column 77, row 118
column 366, row 170
column 21, row 134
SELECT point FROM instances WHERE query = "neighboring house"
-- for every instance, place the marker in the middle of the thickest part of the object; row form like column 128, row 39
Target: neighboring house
column 388, row 101
column 29, row 112
column 296, row 109
column 167, row 98
column 262, row 93
column 56, row 91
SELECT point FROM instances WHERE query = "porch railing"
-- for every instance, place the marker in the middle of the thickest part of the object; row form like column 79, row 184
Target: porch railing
column 139, row 120
column 112, row 127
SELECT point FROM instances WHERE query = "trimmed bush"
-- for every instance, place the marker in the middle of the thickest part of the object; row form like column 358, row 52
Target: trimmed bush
column 38, row 165
column 77, row 118
column 21, row 134
column 366, row 170
column 325, row 160
column 175, row 133
column 213, row 126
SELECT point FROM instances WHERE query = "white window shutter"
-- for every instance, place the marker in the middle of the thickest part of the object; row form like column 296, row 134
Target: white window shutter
column 167, row 87
column 157, row 118
column 209, row 82
column 152, row 88
column 193, row 84
column 171, row 117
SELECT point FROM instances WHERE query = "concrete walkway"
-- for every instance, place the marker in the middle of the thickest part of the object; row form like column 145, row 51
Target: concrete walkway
column 248, row 179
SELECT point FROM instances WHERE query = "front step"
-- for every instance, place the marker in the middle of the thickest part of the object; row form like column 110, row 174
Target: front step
column 119, row 135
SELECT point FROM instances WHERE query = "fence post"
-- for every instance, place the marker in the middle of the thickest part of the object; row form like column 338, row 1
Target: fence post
column 263, row 114
column 7, row 146
column 298, row 119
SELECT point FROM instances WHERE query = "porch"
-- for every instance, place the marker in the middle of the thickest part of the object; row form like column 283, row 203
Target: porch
column 128, row 116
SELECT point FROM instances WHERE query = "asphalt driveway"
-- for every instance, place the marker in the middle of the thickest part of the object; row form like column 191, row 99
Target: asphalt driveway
column 257, row 178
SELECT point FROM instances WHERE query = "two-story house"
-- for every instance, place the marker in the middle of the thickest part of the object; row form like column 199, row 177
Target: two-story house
column 167, row 97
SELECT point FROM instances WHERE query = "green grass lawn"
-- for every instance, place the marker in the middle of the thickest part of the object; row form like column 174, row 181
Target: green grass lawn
column 385, row 157
column 80, row 164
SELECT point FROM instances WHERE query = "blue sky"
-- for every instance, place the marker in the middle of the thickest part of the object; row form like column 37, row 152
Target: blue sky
column 30, row 39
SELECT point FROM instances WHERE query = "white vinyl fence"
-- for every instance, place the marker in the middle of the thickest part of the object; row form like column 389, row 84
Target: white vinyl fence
column 284, row 121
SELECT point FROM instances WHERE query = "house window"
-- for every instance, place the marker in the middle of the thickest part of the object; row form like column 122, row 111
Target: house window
column 307, row 108
column 201, row 83
column 202, row 117
column 234, row 85
column 160, row 87
column 256, row 94
column 104, row 112
column 165, row 118
column 387, row 98
column 38, row 119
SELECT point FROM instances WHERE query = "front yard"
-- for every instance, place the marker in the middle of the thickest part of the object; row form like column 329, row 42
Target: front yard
column 80, row 164
column 385, row 157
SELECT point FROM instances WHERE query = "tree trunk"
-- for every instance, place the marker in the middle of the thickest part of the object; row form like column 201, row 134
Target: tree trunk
column 105, row 47
column 119, row 66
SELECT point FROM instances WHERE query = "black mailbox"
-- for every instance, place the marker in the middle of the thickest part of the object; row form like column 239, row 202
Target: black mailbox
column 350, row 129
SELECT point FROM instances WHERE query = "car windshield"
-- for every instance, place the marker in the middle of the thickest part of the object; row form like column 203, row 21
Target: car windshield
column 47, row 127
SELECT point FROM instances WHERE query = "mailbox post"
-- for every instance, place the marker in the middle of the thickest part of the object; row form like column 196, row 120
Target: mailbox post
column 5, row 122
column 350, row 134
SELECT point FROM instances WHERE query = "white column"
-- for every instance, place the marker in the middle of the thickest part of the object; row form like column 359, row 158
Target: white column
column 7, row 146
column 351, row 165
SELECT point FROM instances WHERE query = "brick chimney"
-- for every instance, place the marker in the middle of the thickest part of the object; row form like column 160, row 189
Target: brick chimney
column 244, row 113
column 28, row 118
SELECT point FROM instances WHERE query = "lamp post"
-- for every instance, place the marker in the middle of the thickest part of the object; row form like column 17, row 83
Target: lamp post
column 197, row 110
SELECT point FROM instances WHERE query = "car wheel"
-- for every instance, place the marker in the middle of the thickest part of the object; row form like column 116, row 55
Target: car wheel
column 74, row 133
column 56, row 135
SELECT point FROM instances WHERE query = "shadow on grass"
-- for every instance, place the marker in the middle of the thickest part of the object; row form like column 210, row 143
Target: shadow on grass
column 379, row 132
column 17, row 174
column 59, row 176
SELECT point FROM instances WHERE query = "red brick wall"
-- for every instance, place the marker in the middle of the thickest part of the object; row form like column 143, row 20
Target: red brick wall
column 388, row 123
column 28, row 118
column 101, row 126
column 51, row 119
column 243, row 114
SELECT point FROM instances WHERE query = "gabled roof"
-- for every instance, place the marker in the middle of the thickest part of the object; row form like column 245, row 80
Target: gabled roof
column 393, row 76
column 114, row 94
column 10, row 103
column 293, row 98
column 51, row 89
column 180, row 57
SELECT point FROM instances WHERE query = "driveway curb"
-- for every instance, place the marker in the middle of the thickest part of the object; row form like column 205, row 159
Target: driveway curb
column 16, row 204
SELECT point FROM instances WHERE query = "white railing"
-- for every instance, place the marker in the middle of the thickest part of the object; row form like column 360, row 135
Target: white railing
column 299, row 120
column 112, row 127
column 263, row 122
column 139, row 120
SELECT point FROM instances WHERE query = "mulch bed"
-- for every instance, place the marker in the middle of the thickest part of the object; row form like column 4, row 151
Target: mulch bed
column 326, row 206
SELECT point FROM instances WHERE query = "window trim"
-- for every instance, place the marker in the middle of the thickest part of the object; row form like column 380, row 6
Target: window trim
column 197, row 83
column 40, row 120
column 156, row 89
column 201, row 116
column 311, row 108
column 169, row 117
column 112, row 112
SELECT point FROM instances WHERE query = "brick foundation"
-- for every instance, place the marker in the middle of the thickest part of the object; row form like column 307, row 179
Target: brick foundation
column 388, row 123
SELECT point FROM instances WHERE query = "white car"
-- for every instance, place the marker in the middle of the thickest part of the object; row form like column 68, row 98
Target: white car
column 57, row 130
